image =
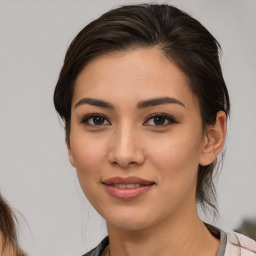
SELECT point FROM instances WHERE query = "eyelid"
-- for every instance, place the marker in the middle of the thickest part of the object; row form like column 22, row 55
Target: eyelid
column 170, row 118
column 85, row 119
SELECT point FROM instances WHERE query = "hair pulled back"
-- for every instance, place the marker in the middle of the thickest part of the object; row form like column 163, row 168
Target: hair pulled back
column 181, row 38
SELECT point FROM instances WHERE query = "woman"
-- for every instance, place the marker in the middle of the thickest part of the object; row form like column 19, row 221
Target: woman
column 145, row 104
column 8, row 237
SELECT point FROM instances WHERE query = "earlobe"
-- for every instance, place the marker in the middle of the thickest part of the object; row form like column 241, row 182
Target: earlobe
column 214, row 139
column 70, row 157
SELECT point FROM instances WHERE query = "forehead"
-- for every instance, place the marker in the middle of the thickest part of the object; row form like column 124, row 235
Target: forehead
column 135, row 74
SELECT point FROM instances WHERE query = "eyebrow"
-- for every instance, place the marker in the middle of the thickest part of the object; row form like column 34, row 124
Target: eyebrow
column 94, row 102
column 140, row 105
column 158, row 101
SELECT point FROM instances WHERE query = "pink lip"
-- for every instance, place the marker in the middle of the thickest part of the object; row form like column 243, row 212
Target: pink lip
column 127, row 193
column 126, row 180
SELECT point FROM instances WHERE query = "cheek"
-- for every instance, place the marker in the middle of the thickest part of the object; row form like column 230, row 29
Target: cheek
column 177, row 158
column 177, row 165
column 88, row 155
column 88, row 158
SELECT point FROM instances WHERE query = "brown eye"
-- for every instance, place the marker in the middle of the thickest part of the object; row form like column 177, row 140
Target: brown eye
column 95, row 120
column 160, row 119
column 98, row 120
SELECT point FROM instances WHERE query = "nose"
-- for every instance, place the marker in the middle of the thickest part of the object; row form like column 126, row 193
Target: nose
column 125, row 148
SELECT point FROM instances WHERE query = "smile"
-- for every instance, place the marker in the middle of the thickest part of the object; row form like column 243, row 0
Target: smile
column 127, row 188
column 127, row 185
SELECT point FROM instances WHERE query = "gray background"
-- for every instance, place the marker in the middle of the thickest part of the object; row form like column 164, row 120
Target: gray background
column 35, row 175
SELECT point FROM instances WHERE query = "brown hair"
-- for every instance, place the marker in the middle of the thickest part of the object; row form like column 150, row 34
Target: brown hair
column 7, row 228
column 180, row 37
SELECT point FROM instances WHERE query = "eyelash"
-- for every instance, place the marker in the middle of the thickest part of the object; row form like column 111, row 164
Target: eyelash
column 169, row 118
column 91, row 116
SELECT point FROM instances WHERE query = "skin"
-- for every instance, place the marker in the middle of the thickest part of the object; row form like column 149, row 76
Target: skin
column 164, row 220
column 6, row 250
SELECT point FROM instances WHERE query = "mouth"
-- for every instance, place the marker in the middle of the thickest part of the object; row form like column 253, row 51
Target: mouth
column 127, row 188
column 126, row 185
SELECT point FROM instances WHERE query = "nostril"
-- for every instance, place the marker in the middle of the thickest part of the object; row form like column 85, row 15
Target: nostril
column 125, row 158
column 115, row 163
column 132, row 163
column 124, row 164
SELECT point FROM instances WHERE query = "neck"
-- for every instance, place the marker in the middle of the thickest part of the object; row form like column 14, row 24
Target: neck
column 176, row 236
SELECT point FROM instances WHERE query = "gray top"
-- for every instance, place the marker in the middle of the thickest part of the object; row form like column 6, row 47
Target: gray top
column 97, row 251
column 223, row 244
column 221, row 235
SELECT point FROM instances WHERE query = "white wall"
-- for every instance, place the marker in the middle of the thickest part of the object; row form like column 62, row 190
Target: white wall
column 35, row 175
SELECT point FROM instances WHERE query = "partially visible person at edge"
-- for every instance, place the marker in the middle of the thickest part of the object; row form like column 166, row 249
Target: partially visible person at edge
column 144, row 103
column 8, row 237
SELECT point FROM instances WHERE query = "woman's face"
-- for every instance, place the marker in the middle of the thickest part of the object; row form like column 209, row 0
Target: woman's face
column 136, row 138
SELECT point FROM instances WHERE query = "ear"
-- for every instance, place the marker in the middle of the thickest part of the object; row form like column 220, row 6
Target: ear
column 70, row 155
column 214, row 139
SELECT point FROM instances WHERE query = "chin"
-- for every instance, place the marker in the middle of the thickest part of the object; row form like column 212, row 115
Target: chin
column 129, row 221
